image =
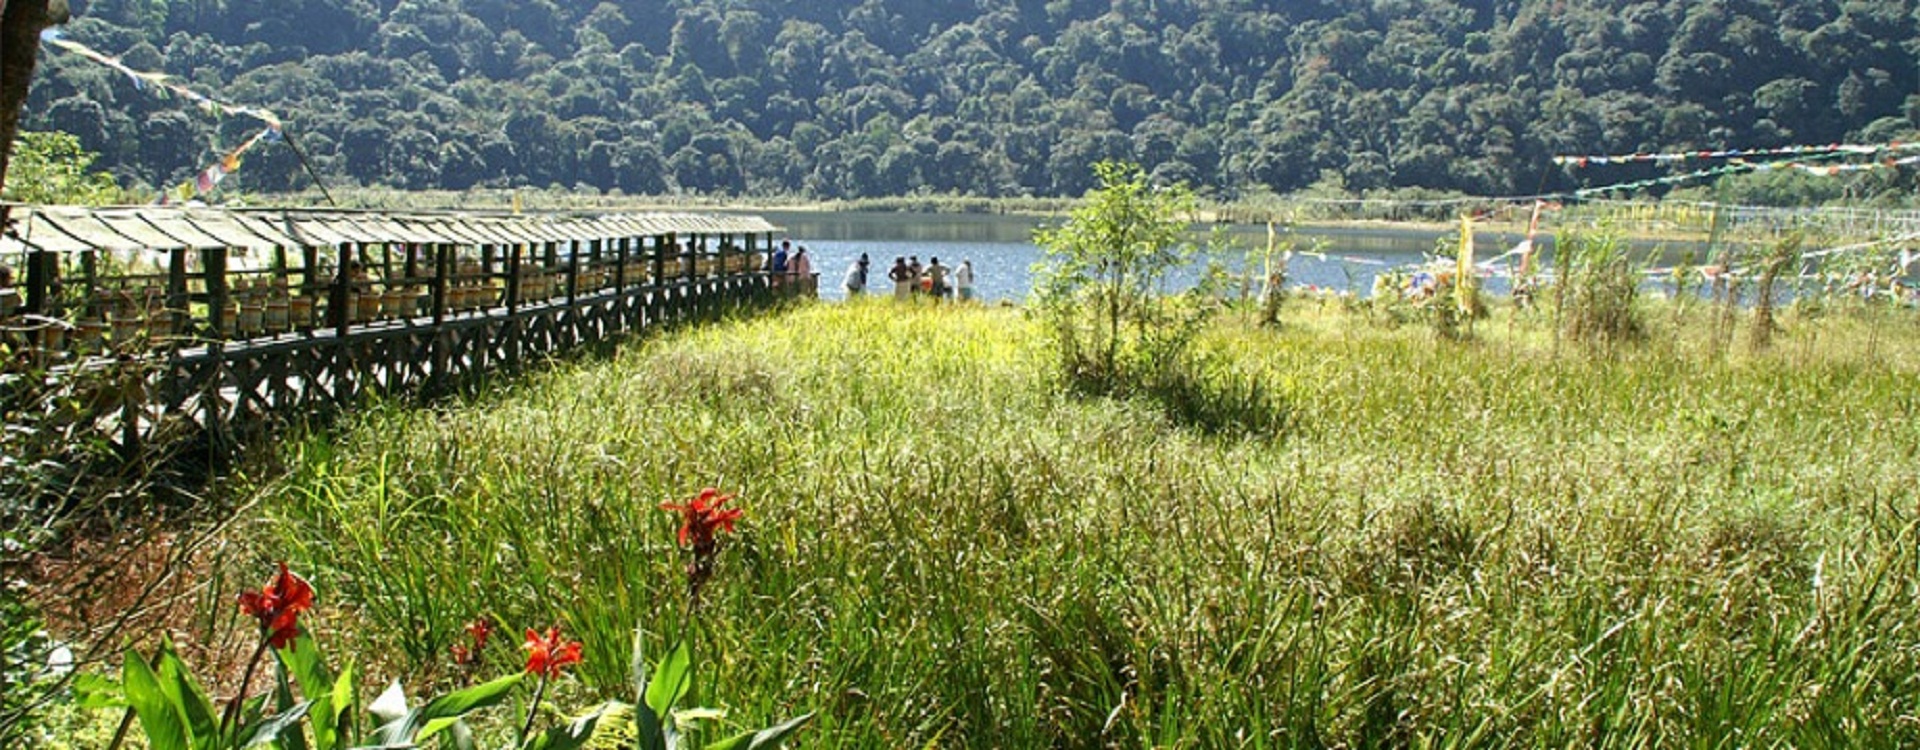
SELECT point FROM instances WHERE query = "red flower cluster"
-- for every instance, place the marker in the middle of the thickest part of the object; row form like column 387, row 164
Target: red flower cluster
column 703, row 518
column 480, row 630
column 278, row 606
column 546, row 655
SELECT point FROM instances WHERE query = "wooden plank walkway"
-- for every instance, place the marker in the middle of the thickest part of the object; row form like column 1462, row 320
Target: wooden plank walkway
column 249, row 319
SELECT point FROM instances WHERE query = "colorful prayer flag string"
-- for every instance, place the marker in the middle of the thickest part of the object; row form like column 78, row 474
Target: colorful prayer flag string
column 163, row 83
column 210, row 178
column 1853, row 149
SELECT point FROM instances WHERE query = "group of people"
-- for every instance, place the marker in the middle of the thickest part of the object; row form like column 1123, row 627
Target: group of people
column 909, row 278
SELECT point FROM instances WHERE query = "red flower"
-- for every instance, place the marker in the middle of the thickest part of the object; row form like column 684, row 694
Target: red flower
column 545, row 656
column 703, row 517
column 479, row 629
column 278, row 606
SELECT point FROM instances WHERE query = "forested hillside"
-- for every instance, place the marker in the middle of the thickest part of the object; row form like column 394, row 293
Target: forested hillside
column 858, row 98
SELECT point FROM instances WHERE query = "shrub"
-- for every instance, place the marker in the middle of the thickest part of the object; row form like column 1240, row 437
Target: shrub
column 1599, row 284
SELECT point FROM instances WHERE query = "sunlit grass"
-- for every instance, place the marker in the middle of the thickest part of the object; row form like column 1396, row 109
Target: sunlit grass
column 1508, row 540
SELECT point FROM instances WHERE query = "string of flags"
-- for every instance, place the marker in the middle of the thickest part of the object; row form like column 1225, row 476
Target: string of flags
column 1852, row 149
column 163, row 85
column 1741, row 167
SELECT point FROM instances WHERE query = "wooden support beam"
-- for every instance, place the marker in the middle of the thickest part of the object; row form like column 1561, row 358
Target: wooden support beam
column 213, row 262
column 340, row 301
column 179, row 304
column 442, row 271
column 513, row 277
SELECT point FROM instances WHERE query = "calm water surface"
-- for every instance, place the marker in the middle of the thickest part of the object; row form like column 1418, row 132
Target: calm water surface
column 1003, row 253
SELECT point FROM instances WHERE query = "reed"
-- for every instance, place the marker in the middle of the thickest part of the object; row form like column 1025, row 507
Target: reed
column 1438, row 544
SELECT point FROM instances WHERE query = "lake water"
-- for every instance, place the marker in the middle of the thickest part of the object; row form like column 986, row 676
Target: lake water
column 1003, row 253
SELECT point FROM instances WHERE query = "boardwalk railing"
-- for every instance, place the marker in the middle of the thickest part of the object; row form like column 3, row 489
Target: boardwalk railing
column 220, row 323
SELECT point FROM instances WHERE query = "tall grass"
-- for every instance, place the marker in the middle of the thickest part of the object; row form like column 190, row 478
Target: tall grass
column 1439, row 544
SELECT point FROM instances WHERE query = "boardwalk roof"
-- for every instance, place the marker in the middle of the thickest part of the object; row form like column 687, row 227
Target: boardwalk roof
column 72, row 229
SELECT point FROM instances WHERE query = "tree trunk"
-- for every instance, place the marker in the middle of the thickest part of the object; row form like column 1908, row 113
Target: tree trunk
column 21, row 22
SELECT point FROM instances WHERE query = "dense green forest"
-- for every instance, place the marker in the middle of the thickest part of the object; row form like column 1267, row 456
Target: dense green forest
column 862, row 98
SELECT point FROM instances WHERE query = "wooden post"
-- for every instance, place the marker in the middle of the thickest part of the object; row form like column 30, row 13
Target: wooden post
column 214, row 262
column 660, row 245
column 340, row 302
column 442, row 268
column 573, row 272
column 620, row 267
column 90, row 272
column 310, row 275
column 177, row 301
column 513, row 277
column 42, row 268
column 692, row 258
column 595, row 251
column 412, row 261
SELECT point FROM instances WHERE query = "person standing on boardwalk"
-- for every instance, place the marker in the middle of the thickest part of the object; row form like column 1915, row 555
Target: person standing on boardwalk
column 778, row 265
column 802, row 269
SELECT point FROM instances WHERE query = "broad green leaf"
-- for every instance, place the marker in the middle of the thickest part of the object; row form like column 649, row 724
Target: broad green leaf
column 307, row 665
column 166, row 729
column 459, row 702
column 672, row 677
column 571, row 736
column 270, row 729
column 340, row 704
column 690, row 715
column 651, row 730
column 283, row 702
column 435, row 726
column 176, row 682
column 638, row 669
column 765, row 739
column 93, row 691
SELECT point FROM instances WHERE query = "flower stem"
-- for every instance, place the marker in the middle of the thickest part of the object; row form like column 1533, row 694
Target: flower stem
column 232, row 713
column 533, row 709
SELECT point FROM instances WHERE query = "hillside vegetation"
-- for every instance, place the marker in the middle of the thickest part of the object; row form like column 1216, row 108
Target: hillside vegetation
column 1497, row 541
column 850, row 99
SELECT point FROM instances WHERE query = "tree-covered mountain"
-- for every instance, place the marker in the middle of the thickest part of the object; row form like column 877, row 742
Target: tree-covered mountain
column 860, row 98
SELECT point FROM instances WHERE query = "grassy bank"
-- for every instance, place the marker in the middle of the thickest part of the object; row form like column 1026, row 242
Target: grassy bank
column 1504, row 541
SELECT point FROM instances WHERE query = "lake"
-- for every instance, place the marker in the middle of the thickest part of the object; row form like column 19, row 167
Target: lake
column 1003, row 253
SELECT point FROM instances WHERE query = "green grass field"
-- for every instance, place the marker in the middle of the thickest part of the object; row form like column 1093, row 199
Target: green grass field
column 1498, row 542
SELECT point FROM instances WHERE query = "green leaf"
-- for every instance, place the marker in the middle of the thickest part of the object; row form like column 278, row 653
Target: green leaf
column 339, row 704
column 765, row 739
column 652, row 734
column 176, row 682
column 411, row 726
column 307, row 665
column 571, row 736
column 165, row 727
column 459, row 702
column 435, row 726
column 93, row 691
column 283, row 701
column 270, row 729
column 672, row 677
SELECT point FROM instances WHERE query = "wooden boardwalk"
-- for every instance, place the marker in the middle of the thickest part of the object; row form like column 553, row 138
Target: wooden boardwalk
column 221, row 325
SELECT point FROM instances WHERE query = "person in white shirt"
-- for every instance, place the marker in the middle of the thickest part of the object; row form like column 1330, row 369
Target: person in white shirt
column 963, row 280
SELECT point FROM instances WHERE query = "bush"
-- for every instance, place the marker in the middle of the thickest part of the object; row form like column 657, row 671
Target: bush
column 1598, row 285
